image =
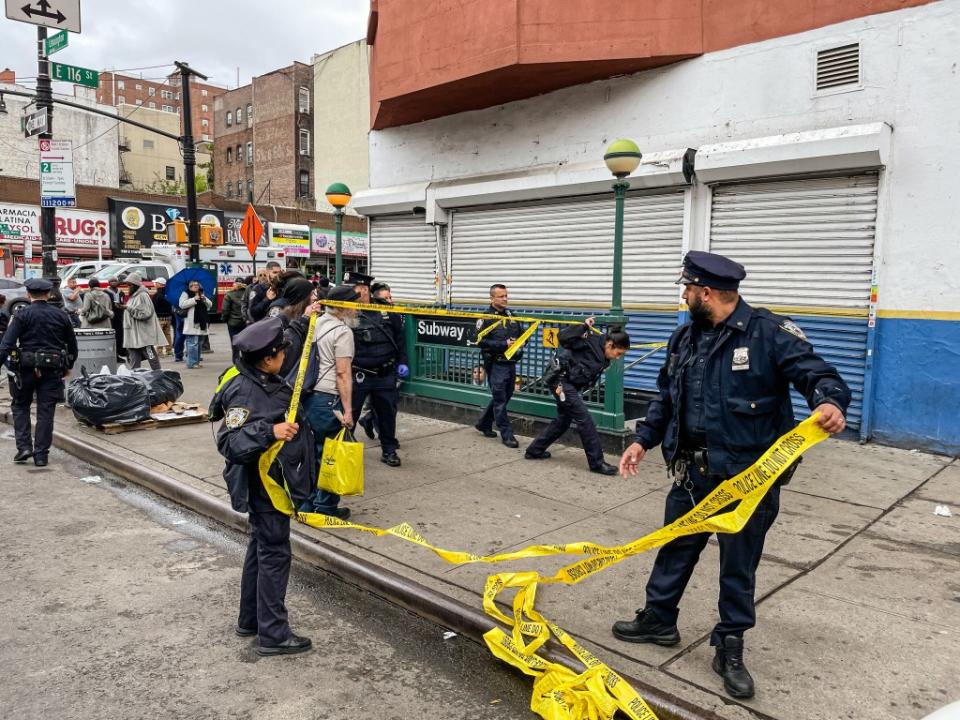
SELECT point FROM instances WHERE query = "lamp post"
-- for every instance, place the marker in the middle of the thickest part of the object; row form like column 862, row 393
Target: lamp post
column 339, row 196
column 622, row 158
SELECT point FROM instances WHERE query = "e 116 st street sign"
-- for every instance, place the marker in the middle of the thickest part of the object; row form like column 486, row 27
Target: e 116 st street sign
column 59, row 14
column 71, row 73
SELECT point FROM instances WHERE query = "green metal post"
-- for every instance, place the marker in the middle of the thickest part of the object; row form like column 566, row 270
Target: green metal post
column 613, row 389
column 339, row 263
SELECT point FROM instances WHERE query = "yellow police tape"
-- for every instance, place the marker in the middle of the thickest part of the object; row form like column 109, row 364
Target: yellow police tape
column 558, row 692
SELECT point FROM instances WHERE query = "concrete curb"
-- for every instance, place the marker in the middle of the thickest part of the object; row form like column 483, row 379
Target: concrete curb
column 411, row 595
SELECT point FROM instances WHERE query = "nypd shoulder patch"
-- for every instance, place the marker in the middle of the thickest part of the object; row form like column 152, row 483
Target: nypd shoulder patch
column 235, row 417
column 480, row 324
column 791, row 327
column 274, row 311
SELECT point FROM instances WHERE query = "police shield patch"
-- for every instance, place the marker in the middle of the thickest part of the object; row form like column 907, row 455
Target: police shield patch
column 235, row 417
column 791, row 327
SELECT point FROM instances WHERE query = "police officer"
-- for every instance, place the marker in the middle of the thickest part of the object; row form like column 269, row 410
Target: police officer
column 584, row 355
column 380, row 356
column 252, row 400
column 724, row 398
column 501, row 371
column 42, row 349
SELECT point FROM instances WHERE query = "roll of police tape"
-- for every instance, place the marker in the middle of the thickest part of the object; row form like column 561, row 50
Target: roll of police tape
column 558, row 692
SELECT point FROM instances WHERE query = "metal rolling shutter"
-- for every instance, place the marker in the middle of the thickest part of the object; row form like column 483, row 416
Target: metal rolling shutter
column 807, row 244
column 403, row 253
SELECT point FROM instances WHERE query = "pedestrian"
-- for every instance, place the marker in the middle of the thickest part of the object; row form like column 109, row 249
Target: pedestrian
column 253, row 404
column 296, row 318
column 43, row 348
column 251, row 283
column 332, row 388
column 141, row 329
column 500, row 370
column 195, row 322
column 118, row 299
column 724, row 398
column 4, row 315
column 265, row 292
column 583, row 356
column 232, row 312
column 97, row 310
column 164, row 310
column 72, row 301
column 380, row 357
column 282, row 299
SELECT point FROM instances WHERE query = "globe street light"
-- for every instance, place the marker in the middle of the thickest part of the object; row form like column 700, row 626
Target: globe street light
column 339, row 196
column 622, row 158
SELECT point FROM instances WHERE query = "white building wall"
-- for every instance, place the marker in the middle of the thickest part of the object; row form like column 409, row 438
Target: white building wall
column 911, row 80
column 95, row 137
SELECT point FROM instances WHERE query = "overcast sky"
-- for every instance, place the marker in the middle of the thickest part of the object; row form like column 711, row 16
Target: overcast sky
column 214, row 36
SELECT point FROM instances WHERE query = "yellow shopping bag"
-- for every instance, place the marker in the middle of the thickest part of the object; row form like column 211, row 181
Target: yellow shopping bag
column 341, row 466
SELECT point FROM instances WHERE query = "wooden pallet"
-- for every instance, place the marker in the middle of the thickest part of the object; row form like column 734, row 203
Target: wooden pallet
column 158, row 421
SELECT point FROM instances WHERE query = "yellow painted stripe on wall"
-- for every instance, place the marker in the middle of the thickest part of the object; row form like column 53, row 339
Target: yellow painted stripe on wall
column 920, row 314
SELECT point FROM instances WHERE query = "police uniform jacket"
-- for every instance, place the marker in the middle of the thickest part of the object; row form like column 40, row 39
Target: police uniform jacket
column 582, row 359
column 379, row 342
column 494, row 344
column 747, row 378
column 250, row 404
column 40, row 327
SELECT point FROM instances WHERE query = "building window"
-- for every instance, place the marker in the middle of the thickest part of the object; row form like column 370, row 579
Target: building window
column 239, row 188
column 148, row 144
column 239, row 153
column 139, row 102
column 249, row 115
column 239, row 116
column 250, row 187
column 166, row 95
column 203, row 92
column 229, row 190
column 204, row 122
column 205, row 136
column 151, row 91
column 304, row 142
column 229, row 119
column 122, row 100
column 304, row 184
column 229, row 154
column 304, row 102
column 171, row 172
column 204, row 108
column 139, row 86
column 120, row 85
column 167, row 108
column 249, row 153
column 152, row 105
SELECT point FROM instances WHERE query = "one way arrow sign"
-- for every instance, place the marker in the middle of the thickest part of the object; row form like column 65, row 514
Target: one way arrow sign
column 60, row 14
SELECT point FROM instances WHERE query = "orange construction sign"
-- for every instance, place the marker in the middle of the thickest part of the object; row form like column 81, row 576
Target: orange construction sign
column 250, row 230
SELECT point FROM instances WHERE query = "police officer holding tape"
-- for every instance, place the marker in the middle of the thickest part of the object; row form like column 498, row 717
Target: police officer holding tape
column 501, row 370
column 723, row 400
column 42, row 349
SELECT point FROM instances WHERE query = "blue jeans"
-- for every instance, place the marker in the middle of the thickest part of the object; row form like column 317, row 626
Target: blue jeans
column 193, row 350
column 319, row 408
column 178, row 337
column 502, row 377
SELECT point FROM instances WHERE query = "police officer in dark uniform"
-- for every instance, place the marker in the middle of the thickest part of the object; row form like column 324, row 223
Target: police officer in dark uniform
column 252, row 400
column 584, row 355
column 724, row 398
column 42, row 348
column 501, row 371
column 380, row 356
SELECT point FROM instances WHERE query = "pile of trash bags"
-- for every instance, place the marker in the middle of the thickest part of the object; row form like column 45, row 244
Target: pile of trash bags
column 124, row 398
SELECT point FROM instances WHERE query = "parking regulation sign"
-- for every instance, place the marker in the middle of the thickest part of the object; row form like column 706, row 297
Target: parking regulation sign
column 56, row 174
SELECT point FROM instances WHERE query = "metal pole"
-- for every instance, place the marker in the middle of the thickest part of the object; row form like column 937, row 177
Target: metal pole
column 189, row 159
column 48, row 224
column 620, row 188
column 338, row 278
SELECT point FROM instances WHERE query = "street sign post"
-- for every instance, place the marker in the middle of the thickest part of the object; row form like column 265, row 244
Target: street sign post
column 56, row 174
column 250, row 231
column 71, row 73
column 55, row 43
column 35, row 123
column 59, row 14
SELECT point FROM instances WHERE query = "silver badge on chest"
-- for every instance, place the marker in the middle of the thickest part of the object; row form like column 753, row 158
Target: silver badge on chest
column 741, row 358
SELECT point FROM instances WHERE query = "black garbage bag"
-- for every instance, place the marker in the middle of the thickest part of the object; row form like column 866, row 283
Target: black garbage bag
column 101, row 399
column 162, row 385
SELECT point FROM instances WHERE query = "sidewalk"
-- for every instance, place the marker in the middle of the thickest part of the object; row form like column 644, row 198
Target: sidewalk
column 859, row 589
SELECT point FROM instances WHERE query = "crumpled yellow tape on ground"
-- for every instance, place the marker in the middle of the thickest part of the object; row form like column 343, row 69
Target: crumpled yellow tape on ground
column 559, row 693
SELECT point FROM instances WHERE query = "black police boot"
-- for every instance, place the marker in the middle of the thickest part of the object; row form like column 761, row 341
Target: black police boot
column 646, row 628
column 366, row 422
column 486, row 432
column 728, row 662
column 22, row 456
column 605, row 469
column 244, row 632
column 291, row 646
column 511, row 442
column 340, row 512
column 391, row 459
column 542, row 456
column 40, row 460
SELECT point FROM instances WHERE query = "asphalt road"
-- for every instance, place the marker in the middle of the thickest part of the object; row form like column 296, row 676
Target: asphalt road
column 118, row 605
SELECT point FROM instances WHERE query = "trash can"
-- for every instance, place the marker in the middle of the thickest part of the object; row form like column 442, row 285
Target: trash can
column 95, row 348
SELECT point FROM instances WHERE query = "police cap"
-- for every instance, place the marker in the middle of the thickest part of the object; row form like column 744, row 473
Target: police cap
column 356, row 278
column 711, row 270
column 343, row 293
column 261, row 339
column 38, row 285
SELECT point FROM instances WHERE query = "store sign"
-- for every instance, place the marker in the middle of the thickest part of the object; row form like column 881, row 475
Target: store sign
column 324, row 242
column 79, row 231
column 138, row 225
column 233, row 223
column 445, row 331
column 294, row 239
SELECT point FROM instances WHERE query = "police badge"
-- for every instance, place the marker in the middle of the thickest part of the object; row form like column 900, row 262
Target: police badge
column 741, row 358
column 235, row 417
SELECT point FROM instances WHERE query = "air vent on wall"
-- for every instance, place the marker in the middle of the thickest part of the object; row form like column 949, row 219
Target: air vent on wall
column 838, row 67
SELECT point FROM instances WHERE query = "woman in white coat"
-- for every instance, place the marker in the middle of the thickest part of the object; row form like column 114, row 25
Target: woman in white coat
column 196, row 322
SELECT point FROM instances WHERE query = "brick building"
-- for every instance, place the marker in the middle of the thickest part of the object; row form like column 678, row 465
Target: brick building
column 263, row 139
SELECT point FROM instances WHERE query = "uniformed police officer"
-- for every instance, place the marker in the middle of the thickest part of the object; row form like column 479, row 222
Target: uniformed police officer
column 42, row 349
column 724, row 398
column 252, row 400
column 501, row 370
column 380, row 356
column 584, row 355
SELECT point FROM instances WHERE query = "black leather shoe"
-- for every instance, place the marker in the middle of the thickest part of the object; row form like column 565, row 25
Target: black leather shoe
column 728, row 663
column 244, row 632
column 486, row 433
column 542, row 456
column 391, row 459
column 366, row 422
column 342, row 513
column 646, row 628
column 511, row 442
column 22, row 456
column 40, row 460
column 291, row 646
column 605, row 469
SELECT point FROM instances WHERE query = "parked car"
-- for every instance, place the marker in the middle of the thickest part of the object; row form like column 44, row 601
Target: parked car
column 81, row 271
column 15, row 292
column 148, row 270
